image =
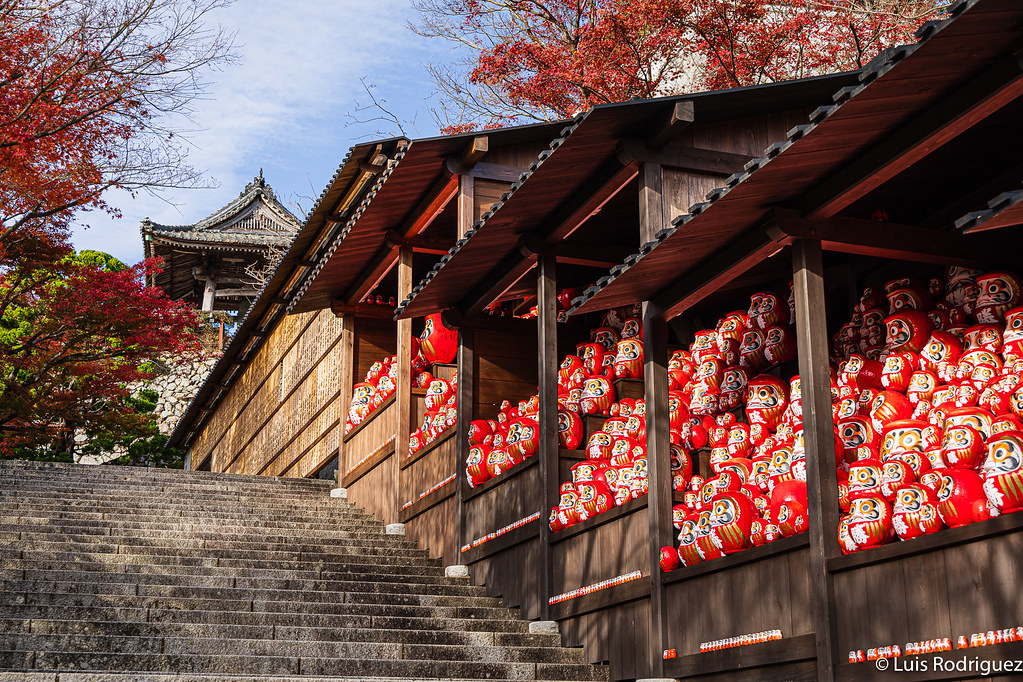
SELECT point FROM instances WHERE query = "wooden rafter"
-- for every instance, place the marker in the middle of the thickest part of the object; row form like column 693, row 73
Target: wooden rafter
column 957, row 113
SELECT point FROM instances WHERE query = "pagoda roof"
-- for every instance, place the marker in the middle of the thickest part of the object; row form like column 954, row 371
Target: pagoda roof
column 255, row 218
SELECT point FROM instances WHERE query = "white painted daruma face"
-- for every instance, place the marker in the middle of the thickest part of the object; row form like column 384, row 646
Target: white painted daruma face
column 1005, row 455
column 908, row 500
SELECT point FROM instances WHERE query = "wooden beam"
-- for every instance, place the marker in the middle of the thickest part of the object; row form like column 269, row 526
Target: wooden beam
column 430, row 206
column 403, row 384
column 818, row 436
column 595, row 193
column 466, row 204
column 495, row 171
column 469, row 157
column 724, row 266
column 502, row 278
column 889, row 240
column 466, row 413
column 682, row 116
column 682, row 157
column 371, row 275
column 346, row 378
column 379, row 312
column 655, row 380
column 418, row 244
column 547, row 373
column 963, row 109
column 651, row 206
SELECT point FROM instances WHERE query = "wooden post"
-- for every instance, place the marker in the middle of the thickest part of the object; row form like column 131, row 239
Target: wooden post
column 547, row 376
column 347, row 378
column 658, row 458
column 466, row 204
column 403, row 388
column 209, row 293
column 821, row 479
column 466, row 399
column 651, row 210
column 220, row 339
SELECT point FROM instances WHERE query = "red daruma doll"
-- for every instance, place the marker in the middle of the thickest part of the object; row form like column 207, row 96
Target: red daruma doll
column 438, row 344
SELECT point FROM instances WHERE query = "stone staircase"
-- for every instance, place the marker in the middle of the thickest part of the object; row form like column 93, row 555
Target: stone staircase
column 112, row 574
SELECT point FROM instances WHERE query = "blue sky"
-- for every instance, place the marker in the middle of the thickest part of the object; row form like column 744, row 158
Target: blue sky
column 284, row 107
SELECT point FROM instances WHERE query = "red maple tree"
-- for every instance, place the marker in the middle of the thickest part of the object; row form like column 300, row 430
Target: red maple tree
column 88, row 94
column 533, row 59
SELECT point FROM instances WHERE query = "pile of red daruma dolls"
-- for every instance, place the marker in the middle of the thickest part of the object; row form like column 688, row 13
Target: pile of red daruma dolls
column 585, row 386
column 437, row 344
column 929, row 406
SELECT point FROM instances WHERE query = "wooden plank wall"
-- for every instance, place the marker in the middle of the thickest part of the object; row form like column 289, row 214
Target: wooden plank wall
column 429, row 520
column 281, row 414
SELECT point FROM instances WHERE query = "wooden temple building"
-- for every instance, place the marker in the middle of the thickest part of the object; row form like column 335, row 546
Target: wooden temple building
column 207, row 263
column 676, row 209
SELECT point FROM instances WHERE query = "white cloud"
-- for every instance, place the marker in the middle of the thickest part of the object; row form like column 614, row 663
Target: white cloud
column 282, row 106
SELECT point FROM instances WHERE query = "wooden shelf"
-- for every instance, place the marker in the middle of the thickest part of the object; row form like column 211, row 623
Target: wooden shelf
column 525, row 533
column 927, row 543
column 492, row 483
column 778, row 651
column 433, row 445
column 432, row 500
column 630, row 507
column 739, row 558
column 369, row 419
column 368, row 465
column 602, row 599
column 1010, row 652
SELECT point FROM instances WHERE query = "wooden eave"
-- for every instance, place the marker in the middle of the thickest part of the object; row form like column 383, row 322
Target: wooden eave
column 311, row 242
column 419, row 183
column 580, row 176
column 942, row 95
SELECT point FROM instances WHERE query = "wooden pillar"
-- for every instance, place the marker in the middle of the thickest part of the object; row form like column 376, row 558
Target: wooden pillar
column 547, row 376
column 209, row 293
column 658, row 457
column 466, row 204
column 466, row 404
column 651, row 209
column 347, row 378
column 403, row 388
column 821, row 479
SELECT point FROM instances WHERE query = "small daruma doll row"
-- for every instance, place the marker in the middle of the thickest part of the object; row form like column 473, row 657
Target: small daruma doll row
column 614, row 349
column 928, row 398
column 441, row 411
column 615, row 469
column 437, row 344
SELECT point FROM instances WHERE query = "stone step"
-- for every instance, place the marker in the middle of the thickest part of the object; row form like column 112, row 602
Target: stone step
column 200, row 677
column 381, row 649
column 235, row 534
column 292, row 665
column 360, row 593
column 366, row 620
column 211, row 550
column 282, row 632
column 25, row 536
column 445, row 586
column 201, row 509
column 352, row 603
column 64, row 471
column 44, row 483
column 430, row 573
column 100, row 519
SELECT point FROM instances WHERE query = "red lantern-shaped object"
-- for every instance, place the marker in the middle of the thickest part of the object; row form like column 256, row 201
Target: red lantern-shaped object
column 870, row 522
column 437, row 343
column 767, row 309
column 437, row 394
column 999, row 292
column 479, row 431
column 669, row 560
column 779, row 344
column 904, row 435
column 887, row 407
column 788, row 507
column 963, row 447
column 979, row 419
column 961, row 498
column 1003, row 471
column 498, row 462
column 766, row 400
column 476, row 467
column 898, row 368
column 941, row 347
column 751, row 351
column 598, row 395
column 629, row 359
column 915, row 512
column 570, row 430
column 908, row 330
column 732, row 515
column 599, row 445
column 704, row 540
column 681, row 468
column 895, row 474
column 688, row 551
column 865, row 479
